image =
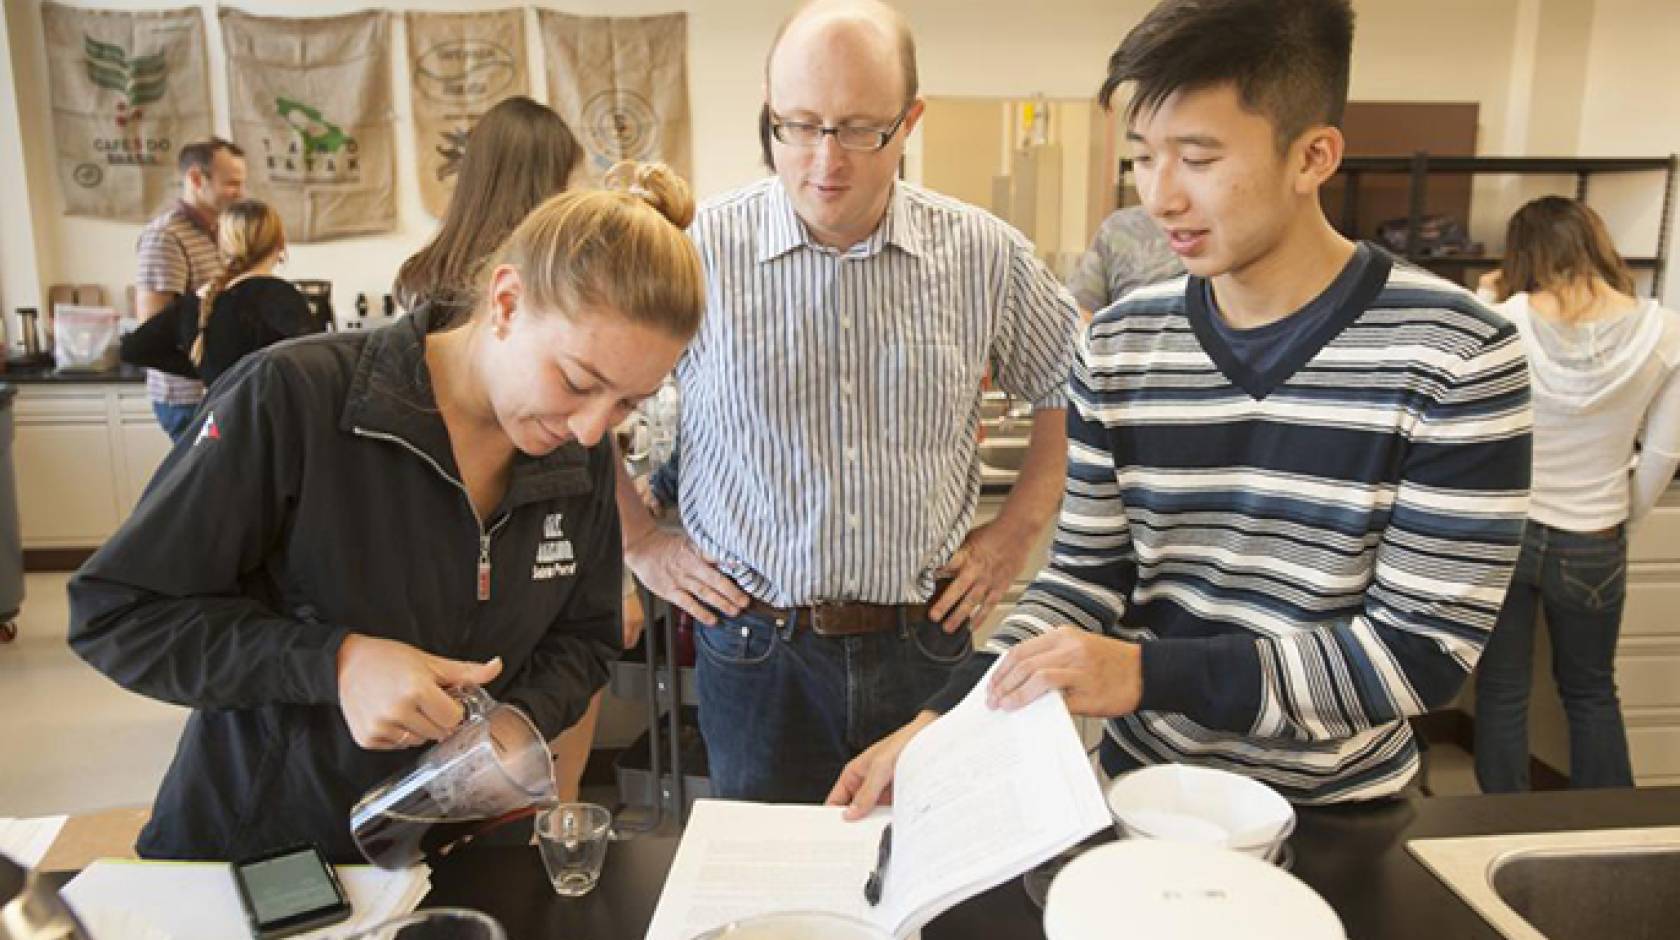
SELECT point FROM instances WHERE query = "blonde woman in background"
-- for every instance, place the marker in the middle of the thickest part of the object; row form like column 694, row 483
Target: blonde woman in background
column 1606, row 445
column 243, row 309
column 363, row 521
column 247, row 307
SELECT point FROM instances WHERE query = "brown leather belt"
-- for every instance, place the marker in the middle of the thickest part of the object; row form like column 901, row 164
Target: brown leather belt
column 846, row 618
column 842, row 619
column 1609, row 533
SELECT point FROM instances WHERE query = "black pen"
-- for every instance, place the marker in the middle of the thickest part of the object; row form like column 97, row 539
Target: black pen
column 878, row 877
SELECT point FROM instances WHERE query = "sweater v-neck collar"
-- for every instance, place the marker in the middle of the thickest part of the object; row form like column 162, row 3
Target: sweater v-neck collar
column 1261, row 384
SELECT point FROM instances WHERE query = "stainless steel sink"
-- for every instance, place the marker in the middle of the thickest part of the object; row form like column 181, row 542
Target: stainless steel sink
column 1610, row 883
column 1004, row 453
column 1627, row 893
column 996, row 406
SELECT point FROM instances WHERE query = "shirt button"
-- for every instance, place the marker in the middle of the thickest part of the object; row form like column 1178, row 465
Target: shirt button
column 852, row 520
column 851, row 454
column 845, row 323
column 846, row 386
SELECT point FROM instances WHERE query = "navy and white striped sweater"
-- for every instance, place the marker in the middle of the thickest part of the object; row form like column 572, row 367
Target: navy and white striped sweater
column 1307, row 556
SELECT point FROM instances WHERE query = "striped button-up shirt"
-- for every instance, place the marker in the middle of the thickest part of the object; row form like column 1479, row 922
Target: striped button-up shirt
column 177, row 255
column 830, row 402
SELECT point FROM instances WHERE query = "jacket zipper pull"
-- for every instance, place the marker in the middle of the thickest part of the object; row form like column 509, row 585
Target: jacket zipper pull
column 484, row 567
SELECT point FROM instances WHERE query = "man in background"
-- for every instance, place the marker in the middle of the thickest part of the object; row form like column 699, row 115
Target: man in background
column 1129, row 251
column 178, row 254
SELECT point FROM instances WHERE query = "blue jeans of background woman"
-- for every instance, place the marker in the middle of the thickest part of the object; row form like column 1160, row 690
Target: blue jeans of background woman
column 1580, row 581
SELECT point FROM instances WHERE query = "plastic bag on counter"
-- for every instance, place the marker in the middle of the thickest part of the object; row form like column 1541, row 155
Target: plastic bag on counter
column 85, row 338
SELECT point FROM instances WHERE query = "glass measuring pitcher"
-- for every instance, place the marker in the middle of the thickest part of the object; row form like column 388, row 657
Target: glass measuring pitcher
column 495, row 767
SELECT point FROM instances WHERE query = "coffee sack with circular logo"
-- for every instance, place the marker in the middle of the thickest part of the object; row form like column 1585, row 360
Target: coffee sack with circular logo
column 620, row 125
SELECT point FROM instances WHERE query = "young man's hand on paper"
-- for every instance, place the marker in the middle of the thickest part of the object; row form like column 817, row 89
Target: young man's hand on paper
column 1098, row 676
column 866, row 781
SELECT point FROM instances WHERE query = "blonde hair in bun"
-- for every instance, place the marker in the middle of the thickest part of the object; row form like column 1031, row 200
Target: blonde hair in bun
column 655, row 184
column 603, row 249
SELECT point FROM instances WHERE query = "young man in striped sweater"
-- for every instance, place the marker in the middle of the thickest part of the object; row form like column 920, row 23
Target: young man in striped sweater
column 1297, row 478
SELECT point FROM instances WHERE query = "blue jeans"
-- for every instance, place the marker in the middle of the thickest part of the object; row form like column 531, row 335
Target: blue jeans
column 175, row 419
column 1581, row 583
column 783, row 709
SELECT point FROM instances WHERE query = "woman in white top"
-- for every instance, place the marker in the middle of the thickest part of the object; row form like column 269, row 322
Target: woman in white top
column 1606, row 444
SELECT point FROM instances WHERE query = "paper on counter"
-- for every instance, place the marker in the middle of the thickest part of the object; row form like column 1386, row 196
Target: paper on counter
column 197, row 900
column 979, row 797
column 26, row 841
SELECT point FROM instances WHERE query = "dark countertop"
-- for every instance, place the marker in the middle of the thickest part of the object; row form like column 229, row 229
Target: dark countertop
column 1354, row 856
column 44, row 375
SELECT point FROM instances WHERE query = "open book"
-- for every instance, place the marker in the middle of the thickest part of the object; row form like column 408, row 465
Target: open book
column 980, row 796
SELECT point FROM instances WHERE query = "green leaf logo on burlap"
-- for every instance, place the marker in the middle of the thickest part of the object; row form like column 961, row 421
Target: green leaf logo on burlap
column 140, row 80
column 317, row 134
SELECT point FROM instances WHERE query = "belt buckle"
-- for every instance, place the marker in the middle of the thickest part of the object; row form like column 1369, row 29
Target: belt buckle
column 835, row 618
column 820, row 612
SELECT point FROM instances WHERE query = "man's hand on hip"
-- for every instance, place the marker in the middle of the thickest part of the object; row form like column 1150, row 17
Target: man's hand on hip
column 1100, row 676
column 669, row 564
column 981, row 571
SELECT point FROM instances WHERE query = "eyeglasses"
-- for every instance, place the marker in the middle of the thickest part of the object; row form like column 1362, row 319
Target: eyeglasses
column 849, row 137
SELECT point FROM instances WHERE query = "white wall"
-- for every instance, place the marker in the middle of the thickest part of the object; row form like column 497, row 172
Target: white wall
column 1633, row 109
column 1428, row 50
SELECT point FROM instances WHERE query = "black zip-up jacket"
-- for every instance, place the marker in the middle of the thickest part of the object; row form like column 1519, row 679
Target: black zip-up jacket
column 318, row 496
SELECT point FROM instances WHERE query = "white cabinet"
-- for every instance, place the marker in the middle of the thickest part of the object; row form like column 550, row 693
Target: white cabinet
column 84, row 452
column 142, row 447
column 1648, row 654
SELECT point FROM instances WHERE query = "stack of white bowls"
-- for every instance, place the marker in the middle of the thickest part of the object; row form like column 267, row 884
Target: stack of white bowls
column 1176, row 803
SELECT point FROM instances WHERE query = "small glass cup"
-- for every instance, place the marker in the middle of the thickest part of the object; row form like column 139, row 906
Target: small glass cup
column 573, row 839
column 440, row 923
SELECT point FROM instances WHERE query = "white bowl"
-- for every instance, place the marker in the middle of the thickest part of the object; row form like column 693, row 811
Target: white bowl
column 1176, row 891
column 1200, row 805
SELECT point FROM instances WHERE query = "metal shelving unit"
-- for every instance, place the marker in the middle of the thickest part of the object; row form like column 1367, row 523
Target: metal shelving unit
column 1420, row 166
column 664, row 770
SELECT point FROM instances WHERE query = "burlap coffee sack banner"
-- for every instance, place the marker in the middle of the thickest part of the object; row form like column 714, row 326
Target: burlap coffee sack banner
column 310, row 103
column 459, row 66
column 128, row 90
column 621, row 83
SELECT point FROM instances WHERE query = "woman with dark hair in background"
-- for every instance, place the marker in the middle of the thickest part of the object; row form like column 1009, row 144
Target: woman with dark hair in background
column 1606, row 444
column 518, row 154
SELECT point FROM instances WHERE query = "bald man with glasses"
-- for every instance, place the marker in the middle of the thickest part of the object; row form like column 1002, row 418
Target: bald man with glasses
column 829, row 471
